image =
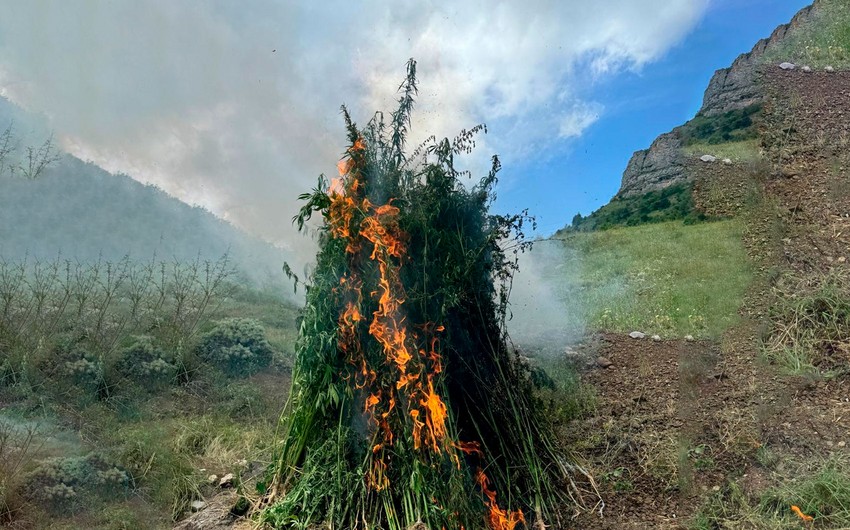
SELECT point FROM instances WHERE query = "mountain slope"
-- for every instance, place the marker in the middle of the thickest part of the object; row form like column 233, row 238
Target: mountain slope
column 79, row 211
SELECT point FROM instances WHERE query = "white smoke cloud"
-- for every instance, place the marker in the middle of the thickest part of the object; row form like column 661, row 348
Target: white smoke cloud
column 234, row 105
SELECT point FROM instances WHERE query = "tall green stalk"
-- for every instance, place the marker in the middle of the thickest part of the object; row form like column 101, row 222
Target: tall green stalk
column 455, row 273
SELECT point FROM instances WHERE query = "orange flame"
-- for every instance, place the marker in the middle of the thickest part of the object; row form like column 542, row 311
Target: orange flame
column 354, row 219
column 498, row 519
column 801, row 515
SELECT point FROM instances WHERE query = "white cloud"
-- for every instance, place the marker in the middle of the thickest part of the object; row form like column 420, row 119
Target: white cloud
column 235, row 105
column 579, row 118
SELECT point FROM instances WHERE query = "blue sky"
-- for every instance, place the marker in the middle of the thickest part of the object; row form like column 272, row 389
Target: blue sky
column 583, row 174
column 235, row 106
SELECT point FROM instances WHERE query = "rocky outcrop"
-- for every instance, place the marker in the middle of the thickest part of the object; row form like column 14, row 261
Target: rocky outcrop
column 737, row 87
column 655, row 168
column 731, row 88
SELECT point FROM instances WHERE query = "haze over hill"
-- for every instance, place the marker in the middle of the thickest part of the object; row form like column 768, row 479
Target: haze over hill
column 79, row 211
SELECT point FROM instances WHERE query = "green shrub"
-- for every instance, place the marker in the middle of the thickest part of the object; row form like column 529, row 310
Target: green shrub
column 76, row 364
column 63, row 484
column 146, row 363
column 238, row 346
column 733, row 126
column 672, row 203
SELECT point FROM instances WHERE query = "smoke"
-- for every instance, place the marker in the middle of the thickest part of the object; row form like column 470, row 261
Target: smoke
column 233, row 105
column 547, row 312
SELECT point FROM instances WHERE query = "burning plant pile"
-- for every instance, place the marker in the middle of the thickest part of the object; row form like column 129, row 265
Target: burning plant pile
column 408, row 408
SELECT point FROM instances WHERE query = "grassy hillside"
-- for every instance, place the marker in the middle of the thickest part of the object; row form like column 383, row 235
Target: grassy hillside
column 669, row 204
column 667, row 278
column 822, row 41
column 124, row 386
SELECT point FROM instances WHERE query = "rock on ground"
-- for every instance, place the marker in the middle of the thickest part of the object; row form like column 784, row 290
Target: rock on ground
column 215, row 514
column 708, row 158
column 637, row 335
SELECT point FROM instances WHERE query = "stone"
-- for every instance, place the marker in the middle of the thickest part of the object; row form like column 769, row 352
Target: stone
column 806, row 68
column 829, row 69
column 655, row 168
column 637, row 335
column 226, row 481
column 197, row 506
column 656, row 338
column 787, row 66
column 708, row 158
column 689, row 338
column 727, row 161
column 212, row 479
column 217, row 514
column 604, row 362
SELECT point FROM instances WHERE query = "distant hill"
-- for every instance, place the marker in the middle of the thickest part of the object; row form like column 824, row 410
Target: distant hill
column 80, row 211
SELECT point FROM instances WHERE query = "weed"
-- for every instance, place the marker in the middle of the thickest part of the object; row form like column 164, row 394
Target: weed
column 821, row 492
column 811, row 324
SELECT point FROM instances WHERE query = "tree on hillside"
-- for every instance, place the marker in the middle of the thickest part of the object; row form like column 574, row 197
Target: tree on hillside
column 34, row 160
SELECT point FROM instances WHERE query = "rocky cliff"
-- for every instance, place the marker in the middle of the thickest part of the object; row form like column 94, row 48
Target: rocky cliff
column 737, row 86
column 730, row 88
column 655, row 168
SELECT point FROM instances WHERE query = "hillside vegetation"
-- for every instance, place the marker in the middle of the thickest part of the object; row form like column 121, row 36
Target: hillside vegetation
column 822, row 41
column 125, row 385
column 668, row 279
column 668, row 204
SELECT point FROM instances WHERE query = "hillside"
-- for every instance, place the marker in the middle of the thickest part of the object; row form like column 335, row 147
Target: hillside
column 78, row 211
column 730, row 412
column 726, row 127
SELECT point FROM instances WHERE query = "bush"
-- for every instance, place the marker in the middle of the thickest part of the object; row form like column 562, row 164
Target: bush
column 733, row 126
column 61, row 484
column 237, row 346
column 76, row 364
column 145, row 362
column 669, row 204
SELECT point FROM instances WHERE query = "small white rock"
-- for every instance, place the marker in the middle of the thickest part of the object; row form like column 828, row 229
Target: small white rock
column 656, row 338
column 226, row 481
column 806, row 68
column 708, row 158
column 212, row 479
column 689, row 338
column 727, row 161
column 637, row 335
column 197, row 506
column 787, row 66
column 829, row 69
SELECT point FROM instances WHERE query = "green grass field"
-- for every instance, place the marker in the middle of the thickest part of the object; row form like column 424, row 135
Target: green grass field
column 667, row 278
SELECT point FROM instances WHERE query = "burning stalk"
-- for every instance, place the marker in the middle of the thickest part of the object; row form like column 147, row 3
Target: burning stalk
column 404, row 387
